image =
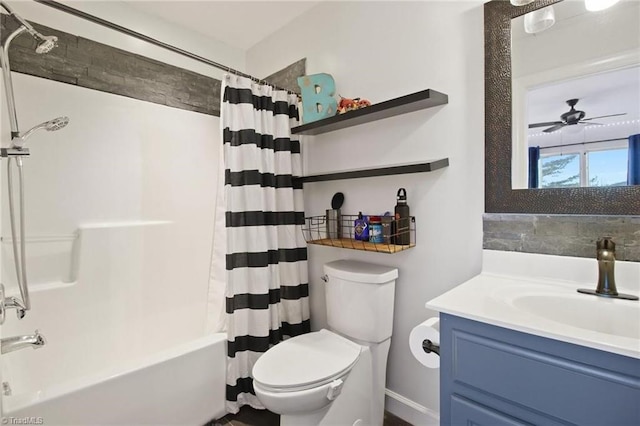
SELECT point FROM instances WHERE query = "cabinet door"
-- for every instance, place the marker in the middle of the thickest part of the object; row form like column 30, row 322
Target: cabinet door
column 468, row 413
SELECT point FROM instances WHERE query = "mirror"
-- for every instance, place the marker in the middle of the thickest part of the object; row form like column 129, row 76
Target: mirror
column 500, row 197
column 576, row 96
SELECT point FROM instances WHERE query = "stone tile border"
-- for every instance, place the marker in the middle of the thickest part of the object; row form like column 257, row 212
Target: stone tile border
column 564, row 235
column 86, row 63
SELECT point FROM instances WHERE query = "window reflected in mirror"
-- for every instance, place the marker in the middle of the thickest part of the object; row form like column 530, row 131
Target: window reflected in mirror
column 588, row 166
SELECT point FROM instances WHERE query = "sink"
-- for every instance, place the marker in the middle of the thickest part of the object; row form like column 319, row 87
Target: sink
column 536, row 294
column 613, row 317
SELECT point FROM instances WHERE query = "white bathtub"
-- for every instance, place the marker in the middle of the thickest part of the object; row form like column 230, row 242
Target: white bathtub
column 180, row 386
column 125, row 340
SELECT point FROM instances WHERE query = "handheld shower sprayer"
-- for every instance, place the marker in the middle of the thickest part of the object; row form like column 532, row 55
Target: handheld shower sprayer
column 49, row 126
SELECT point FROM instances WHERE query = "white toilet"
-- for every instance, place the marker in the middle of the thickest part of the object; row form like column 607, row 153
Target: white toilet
column 335, row 376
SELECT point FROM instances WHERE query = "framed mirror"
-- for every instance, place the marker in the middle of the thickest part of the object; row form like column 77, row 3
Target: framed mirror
column 500, row 195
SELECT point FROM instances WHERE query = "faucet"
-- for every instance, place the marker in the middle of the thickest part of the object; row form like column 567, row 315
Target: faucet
column 15, row 303
column 16, row 343
column 606, row 255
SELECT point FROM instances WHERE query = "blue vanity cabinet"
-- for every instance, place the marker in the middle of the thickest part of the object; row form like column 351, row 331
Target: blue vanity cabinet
column 493, row 376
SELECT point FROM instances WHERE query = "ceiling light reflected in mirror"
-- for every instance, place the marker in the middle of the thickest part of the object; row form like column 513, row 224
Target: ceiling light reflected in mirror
column 539, row 20
column 597, row 5
column 520, row 2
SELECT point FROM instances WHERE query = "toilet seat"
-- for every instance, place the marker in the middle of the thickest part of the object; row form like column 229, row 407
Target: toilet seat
column 306, row 361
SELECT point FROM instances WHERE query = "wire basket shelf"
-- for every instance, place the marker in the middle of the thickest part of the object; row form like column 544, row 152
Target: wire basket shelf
column 397, row 234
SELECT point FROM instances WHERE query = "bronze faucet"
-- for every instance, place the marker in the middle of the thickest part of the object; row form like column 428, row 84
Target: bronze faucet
column 606, row 255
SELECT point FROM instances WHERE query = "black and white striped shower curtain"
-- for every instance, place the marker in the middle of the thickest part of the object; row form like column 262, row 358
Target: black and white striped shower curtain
column 267, row 296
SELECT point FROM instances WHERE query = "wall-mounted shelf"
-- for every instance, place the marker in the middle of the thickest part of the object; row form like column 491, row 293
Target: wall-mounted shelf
column 361, row 245
column 402, row 105
column 399, row 169
column 340, row 232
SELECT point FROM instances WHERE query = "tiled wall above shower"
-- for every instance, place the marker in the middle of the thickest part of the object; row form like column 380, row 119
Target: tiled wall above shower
column 564, row 235
column 87, row 63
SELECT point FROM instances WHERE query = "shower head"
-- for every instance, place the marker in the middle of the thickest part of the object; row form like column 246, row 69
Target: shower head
column 49, row 126
column 56, row 124
column 47, row 43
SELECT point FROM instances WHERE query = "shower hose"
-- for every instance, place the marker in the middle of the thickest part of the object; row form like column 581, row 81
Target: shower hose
column 19, row 260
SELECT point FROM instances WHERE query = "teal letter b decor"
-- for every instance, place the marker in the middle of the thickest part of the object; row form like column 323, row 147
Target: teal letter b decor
column 317, row 97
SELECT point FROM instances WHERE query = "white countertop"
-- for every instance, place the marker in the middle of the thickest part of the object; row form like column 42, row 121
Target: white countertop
column 536, row 294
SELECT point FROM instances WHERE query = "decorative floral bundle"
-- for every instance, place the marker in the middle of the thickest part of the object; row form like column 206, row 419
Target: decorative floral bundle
column 347, row 104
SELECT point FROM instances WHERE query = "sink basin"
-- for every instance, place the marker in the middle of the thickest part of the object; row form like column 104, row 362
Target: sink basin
column 613, row 317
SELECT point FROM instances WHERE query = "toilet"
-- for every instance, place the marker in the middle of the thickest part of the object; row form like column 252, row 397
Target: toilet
column 335, row 376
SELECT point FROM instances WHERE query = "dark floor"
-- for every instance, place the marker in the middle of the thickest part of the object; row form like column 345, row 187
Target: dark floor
column 252, row 417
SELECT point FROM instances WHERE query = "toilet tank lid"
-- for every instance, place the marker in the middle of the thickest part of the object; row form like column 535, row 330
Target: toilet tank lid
column 363, row 272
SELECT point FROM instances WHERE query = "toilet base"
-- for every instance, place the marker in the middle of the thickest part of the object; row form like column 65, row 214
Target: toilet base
column 353, row 407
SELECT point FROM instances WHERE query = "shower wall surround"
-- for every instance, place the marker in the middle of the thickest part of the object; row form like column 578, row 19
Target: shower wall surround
column 87, row 63
column 564, row 235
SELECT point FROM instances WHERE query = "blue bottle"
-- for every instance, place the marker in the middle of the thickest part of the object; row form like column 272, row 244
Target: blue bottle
column 361, row 228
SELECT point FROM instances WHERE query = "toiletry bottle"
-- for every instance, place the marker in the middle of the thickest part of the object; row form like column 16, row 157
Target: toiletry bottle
column 333, row 219
column 402, row 231
column 375, row 229
column 361, row 228
column 387, row 228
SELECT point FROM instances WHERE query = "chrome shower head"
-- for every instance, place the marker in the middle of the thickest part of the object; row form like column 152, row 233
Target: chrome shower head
column 49, row 126
column 56, row 124
column 47, row 43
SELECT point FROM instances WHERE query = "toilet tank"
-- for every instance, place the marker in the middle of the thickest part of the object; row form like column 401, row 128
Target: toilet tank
column 359, row 299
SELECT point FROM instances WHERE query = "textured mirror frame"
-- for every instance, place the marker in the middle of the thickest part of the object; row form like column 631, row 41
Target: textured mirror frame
column 499, row 196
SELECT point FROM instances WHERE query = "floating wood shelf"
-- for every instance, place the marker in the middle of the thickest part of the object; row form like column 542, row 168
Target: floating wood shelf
column 361, row 245
column 399, row 169
column 318, row 230
column 402, row 105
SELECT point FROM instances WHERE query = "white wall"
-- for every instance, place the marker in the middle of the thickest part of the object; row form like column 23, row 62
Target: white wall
column 381, row 50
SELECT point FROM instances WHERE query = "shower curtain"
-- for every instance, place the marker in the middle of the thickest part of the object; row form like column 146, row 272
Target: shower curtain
column 267, row 291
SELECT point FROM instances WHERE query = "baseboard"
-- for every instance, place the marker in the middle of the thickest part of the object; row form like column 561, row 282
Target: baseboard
column 409, row 410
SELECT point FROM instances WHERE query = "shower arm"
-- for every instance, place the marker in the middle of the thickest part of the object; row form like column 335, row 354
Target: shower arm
column 24, row 23
column 8, row 83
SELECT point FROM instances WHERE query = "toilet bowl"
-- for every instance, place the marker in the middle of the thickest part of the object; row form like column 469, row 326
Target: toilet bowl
column 305, row 373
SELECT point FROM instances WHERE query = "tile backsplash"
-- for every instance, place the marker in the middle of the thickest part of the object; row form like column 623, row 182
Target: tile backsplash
column 564, row 235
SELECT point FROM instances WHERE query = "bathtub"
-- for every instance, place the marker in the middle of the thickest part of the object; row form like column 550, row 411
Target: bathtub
column 126, row 343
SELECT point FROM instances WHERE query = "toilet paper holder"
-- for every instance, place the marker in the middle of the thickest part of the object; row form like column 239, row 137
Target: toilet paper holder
column 428, row 346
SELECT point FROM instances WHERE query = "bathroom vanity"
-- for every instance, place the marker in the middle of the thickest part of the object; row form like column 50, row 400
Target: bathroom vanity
column 495, row 376
column 519, row 345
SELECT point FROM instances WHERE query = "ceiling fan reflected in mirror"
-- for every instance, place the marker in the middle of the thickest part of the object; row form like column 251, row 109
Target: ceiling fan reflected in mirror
column 570, row 118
